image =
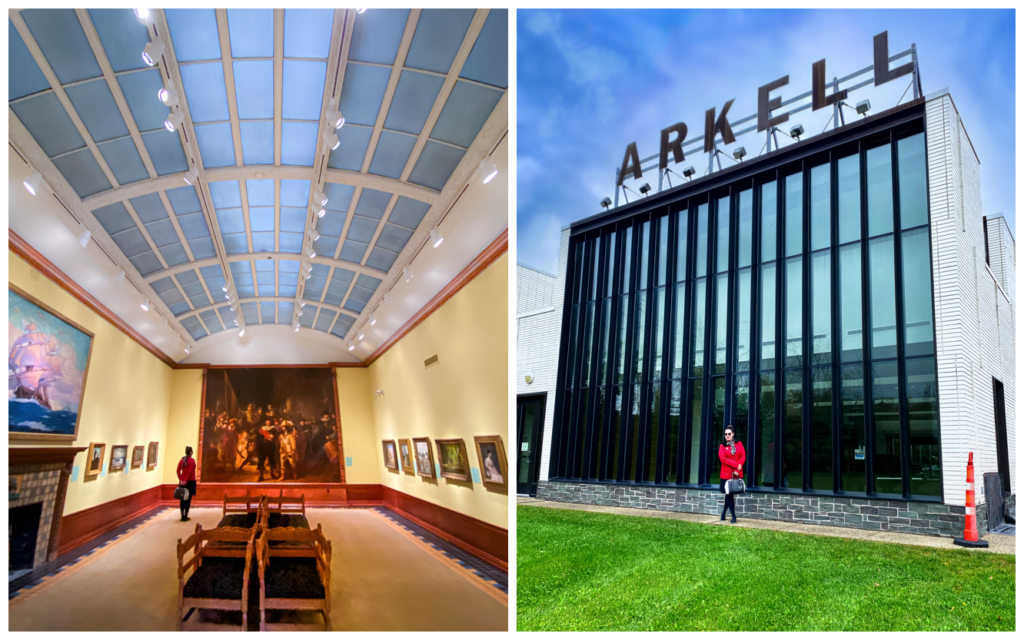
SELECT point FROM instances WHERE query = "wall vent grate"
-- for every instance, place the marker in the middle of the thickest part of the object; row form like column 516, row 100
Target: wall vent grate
column 431, row 361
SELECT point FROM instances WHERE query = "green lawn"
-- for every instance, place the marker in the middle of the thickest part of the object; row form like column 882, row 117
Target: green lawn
column 592, row 571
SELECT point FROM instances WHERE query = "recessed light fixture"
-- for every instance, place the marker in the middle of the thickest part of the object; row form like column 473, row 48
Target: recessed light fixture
column 145, row 304
column 83, row 238
column 335, row 118
column 320, row 198
column 168, row 96
column 174, row 121
column 192, row 176
column 436, row 237
column 33, row 182
column 407, row 274
column 373, row 320
column 488, row 170
column 151, row 54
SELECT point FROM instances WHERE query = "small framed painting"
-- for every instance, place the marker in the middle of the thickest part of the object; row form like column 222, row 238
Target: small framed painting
column 390, row 456
column 405, row 455
column 138, row 455
column 491, row 453
column 154, row 448
column 118, row 457
column 451, row 453
column 94, row 461
column 424, row 457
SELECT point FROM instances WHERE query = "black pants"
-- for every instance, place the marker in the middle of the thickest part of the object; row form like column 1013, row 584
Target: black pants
column 730, row 500
column 185, row 504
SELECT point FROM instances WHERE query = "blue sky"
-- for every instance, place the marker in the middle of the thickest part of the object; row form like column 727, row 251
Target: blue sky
column 591, row 82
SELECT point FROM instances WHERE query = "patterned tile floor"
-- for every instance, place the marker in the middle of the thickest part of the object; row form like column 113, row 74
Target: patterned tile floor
column 52, row 568
column 493, row 575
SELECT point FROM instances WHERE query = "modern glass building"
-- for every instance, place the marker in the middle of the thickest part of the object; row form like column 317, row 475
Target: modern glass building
column 794, row 297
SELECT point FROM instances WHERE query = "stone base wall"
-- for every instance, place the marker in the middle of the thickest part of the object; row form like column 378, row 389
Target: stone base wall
column 899, row 516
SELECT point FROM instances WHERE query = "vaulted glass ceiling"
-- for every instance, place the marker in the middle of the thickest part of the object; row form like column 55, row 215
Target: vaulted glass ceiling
column 416, row 89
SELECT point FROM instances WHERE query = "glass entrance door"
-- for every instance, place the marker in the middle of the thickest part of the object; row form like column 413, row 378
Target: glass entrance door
column 530, row 426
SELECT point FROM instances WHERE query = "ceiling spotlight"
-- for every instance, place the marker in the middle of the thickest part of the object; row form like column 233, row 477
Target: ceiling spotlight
column 335, row 118
column 168, row 96
column 309, row 267
column 863, row 107
column 332, row 140
column 316, row 236
column 320, row 198
column 373, row 320
column 321, row 213
column 224, row 288
column 152, row 52
column 436, row 237
column 739, row 152
column 120, row 275
column 351, row 345
column 174, row 121
column 242, row 332
column 235, row 321
column 296, row 328
column 361, row 334
column 488, row 170
column 302, row 304
column 407, row 274
column 312, row 254
column 689, row 172
column 387, row 296
column 360, row 10
column 145, row 305
column 145, row 16
column 607, row 202
column 33, row 182
column 186, row 347
column 306, row 275
column 192, row 176
column 301, row 312
column 646, row 188
column 83, row 238
column 797, row 131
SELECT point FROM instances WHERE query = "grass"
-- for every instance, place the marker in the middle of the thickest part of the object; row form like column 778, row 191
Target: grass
column 592, row 571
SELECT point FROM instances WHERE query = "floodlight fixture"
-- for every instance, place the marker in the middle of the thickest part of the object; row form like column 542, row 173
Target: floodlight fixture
column 607, row 202
column 797, row 131
column 689, row 172
column 739, row 152
column 863, row 107
column 645, row 188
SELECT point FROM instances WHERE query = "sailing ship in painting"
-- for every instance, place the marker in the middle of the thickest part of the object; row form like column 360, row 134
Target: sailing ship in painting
column 45, row 370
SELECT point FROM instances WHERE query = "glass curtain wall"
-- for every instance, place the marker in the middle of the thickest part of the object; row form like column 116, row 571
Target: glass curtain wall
column 795, row 305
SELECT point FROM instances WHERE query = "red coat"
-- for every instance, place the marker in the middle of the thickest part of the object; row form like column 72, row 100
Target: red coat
column 731, row 461
column 187, row 470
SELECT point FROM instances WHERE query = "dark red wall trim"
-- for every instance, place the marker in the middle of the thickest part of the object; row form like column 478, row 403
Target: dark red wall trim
column 480, row 538
column 82, row 526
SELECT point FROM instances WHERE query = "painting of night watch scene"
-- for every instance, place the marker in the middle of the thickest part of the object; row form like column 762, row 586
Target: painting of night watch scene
column 270, row 425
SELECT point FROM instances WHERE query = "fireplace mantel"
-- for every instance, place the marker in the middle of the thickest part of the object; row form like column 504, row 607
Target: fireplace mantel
column 33, row 461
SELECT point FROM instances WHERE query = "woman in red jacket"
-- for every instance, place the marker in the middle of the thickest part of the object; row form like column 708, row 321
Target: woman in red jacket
column 187, row 479
column 732, row 455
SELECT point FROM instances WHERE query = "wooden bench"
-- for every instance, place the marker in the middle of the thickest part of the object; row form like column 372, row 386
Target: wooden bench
column 241, row 511
column 286, row 511
column 294, row 577
column 219, row 578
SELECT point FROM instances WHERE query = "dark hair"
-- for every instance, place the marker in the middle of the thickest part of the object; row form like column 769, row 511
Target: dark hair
column 728, row 428
column 188, row 451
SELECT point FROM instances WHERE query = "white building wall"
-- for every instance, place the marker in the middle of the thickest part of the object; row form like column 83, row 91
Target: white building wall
column 973, row 314
column 539, row 298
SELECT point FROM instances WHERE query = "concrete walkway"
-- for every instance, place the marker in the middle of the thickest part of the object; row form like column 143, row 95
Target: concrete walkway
column 996, row 543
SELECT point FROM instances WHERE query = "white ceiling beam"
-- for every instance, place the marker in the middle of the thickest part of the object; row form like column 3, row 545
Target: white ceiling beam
column 278, row 80
column 229, row 81
column 263, row 255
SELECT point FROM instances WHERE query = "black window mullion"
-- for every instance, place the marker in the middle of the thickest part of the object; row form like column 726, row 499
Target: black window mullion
column 646, row 387
column 805, row 329
column 665, row 377
column 834, row 309
column 613, row 272
column 558, row 425
column 627, row 384
column 730, row 305
column 592, row 426
column 707, row 394
column 780, row 328
column 685, row 414
column 869, row 379
column 753, row 438
column 901, row 365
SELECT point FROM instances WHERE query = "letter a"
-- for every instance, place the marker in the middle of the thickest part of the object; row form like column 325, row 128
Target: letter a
column 631, row 162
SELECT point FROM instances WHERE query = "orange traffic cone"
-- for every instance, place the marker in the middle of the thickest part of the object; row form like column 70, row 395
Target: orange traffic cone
column 970, row 538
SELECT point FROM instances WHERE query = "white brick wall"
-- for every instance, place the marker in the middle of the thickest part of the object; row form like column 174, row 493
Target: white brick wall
column 539, row 298
column 974, row 314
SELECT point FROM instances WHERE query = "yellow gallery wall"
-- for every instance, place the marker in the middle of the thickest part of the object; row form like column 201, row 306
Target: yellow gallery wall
column 182, row 418
column 358, row 437
column 465, row 395
column 126, row 400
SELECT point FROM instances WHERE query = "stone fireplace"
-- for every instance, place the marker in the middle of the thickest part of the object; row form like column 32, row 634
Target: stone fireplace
column 38, row 484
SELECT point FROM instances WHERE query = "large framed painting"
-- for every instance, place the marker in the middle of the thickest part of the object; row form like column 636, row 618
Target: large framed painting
column 451, row 453
column 270, row 425
column 47, row 364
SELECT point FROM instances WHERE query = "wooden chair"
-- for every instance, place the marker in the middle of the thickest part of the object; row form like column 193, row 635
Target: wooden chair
column 286, row 511
column 241, row 511
column 219, row 578
column 294, row 577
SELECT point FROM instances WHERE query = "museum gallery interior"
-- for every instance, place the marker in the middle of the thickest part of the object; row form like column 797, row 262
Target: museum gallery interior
column 257, row 319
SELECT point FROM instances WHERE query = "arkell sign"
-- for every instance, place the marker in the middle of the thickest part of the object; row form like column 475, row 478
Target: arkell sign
column 718, row 124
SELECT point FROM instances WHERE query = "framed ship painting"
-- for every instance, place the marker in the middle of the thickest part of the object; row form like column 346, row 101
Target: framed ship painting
column 47, row 363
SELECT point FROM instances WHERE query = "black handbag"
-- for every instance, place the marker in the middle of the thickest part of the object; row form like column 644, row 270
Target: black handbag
column 181, row 493
column 735, row 486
